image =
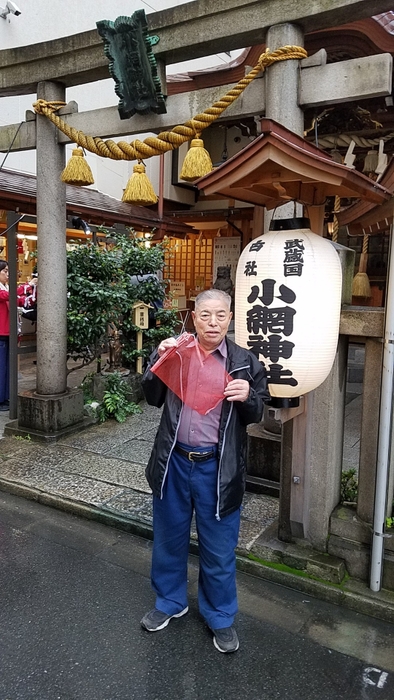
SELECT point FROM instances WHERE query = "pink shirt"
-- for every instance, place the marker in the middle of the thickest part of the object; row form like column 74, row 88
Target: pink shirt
column 197, row 430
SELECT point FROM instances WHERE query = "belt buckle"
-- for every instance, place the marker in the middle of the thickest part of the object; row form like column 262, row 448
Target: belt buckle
column 193, row 454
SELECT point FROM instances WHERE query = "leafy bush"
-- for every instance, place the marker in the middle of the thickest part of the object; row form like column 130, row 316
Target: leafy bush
column 96, row 294
column 349, row 486
column 101, row 292
column 115, row 403
column 87, row 388
column 390, row 519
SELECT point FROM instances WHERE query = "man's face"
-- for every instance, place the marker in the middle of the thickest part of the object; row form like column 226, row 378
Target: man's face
column 211, row 321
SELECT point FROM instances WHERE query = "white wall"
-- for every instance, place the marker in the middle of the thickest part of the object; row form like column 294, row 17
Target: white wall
column 42, row 20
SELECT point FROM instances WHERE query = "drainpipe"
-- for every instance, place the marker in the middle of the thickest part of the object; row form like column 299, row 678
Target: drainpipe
column 385, row 422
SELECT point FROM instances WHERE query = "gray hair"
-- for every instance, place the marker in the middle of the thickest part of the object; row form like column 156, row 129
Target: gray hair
column 213, row 294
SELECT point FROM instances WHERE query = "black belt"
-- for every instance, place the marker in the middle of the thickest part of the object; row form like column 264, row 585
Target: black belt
column 194, row 456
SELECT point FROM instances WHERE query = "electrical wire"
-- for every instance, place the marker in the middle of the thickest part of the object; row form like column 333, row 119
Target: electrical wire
column 12, row 225
column 11, row 145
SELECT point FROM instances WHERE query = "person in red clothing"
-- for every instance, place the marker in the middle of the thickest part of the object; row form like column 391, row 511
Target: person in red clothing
column 27, row 293
column 5, row 335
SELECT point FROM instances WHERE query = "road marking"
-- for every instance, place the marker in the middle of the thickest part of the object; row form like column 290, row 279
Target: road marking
column 378, row 682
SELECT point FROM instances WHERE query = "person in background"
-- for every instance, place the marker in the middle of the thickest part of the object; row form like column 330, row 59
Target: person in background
column 28, row 291
column 5, row 335
column 198, row 464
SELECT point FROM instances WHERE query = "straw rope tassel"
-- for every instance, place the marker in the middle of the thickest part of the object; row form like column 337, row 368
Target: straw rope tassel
column 139, row 189
column 197, row 162
column 77, row 171
column 361, row 286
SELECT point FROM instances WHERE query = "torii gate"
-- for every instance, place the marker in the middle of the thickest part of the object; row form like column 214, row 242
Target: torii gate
column 187, row 31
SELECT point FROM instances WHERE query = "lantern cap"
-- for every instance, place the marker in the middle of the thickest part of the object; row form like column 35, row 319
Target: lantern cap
column 282, row 402
column 289, row 224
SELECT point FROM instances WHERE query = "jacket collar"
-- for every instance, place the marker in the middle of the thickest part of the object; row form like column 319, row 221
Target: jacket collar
column 237, row 357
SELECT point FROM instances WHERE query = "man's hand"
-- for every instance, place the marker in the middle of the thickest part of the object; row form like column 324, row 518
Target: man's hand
column 166, row 345
column 237, row 390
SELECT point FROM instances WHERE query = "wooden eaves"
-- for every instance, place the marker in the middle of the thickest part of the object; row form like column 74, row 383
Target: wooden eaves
column 280, row 166
column 18, row 193
column 368, row 217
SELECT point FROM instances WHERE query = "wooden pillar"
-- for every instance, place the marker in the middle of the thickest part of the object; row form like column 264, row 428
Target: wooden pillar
column 258, row 221
column 284, row 526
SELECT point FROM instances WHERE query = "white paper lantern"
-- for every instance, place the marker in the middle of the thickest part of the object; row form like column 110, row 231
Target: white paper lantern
column 287, row 306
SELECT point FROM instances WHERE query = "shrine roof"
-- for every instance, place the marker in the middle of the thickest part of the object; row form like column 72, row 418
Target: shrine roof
column 19, row 190
column 364, row 37
column 281, row 166
column 367, row 216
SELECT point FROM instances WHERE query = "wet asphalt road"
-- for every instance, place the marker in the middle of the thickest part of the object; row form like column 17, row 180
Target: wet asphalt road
column 73, row 592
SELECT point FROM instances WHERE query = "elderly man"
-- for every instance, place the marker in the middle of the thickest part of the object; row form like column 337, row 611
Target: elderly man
column 198, row 464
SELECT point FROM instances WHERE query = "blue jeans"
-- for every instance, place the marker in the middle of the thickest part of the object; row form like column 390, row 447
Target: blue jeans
column 192, row 486
column 4, row 370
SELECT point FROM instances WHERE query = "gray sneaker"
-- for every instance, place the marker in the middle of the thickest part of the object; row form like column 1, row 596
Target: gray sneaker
column 156, row 620
column 225, row 640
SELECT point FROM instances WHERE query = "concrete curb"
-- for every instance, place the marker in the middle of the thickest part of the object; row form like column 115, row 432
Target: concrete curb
column 83, row 510
column 379, row 605
column 361, row 599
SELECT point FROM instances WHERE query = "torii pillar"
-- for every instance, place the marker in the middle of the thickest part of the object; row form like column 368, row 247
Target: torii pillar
column 52, row 410
column 51, row 253
column 311, row 460
column 282, row 80
column 281, row 91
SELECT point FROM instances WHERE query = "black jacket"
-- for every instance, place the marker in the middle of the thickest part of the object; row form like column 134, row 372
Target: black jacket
column 235, row 416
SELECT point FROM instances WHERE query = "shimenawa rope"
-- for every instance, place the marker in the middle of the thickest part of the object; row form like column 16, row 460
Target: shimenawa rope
column 166, row 140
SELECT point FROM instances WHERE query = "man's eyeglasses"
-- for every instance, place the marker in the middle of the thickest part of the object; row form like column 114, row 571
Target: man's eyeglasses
column 206, row 316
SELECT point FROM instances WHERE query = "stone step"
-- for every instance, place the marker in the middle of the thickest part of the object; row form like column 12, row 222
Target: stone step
column 350, row 539
column 321, row 566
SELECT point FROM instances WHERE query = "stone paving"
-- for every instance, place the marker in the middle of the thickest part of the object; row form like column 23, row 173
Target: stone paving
column 99, row 474
column 103, row 467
